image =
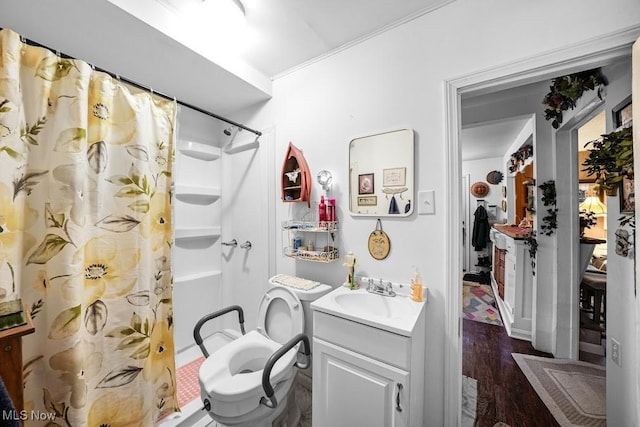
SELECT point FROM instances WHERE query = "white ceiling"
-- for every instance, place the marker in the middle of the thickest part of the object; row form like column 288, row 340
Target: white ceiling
column 287, row 33
column 490, row 139
column 144, row 41
column 276, row 35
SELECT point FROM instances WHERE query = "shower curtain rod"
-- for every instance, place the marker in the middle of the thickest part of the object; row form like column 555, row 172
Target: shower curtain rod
column 143, row 87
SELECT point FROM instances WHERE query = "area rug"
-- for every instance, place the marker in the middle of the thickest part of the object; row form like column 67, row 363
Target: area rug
column 573, row 391
column 469, row 401
column 479, row 304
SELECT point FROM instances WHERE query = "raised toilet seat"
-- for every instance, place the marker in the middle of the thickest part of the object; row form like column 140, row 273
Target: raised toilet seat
column 231, row 379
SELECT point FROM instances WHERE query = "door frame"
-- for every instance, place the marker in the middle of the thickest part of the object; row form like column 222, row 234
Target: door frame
column 584, row 55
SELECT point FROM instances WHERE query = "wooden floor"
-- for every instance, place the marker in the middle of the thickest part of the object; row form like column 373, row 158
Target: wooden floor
column 504, row 393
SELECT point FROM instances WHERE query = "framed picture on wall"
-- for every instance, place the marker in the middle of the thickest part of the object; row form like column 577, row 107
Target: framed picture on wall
column 622, row 114
column 365, row 183
column 394, row 177
column 627, row 195
column 367, row 200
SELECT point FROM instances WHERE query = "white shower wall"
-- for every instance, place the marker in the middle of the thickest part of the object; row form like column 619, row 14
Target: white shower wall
column 196, row 258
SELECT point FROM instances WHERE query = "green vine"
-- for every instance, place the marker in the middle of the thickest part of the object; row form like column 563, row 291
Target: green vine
column 566, row 90
column 532, row 242
column 550, row 221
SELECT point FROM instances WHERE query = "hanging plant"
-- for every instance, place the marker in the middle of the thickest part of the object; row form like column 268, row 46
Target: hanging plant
column 611, row 159
column 587, row 220
column 566, row 90
column 519, row 157
column 550, row 221
column 532, row 242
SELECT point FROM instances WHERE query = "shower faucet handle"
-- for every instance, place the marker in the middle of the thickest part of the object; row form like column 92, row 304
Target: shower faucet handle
column 233, row 243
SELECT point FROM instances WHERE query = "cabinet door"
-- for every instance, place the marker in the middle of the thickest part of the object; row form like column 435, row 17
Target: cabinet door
column 350, row 389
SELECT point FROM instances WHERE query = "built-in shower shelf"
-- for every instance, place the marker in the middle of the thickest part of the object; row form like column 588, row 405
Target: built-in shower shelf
column 197, row 233
column 195, row 194
column 199, row 151
column 197, row 276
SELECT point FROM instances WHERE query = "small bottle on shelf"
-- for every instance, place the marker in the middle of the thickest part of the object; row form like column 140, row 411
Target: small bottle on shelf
column 322, row 211
column 331, row 210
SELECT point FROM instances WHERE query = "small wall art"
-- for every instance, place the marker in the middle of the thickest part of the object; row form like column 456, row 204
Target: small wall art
column 627, row 195
column 365, row 183
column 367, row 200
column 394, row 177
column 494, row 177
column 479, row 189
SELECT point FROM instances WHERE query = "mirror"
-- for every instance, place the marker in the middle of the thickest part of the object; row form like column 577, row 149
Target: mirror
column 381, row 174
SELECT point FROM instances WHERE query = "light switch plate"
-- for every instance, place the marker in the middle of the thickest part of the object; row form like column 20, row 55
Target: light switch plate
column 426, row 202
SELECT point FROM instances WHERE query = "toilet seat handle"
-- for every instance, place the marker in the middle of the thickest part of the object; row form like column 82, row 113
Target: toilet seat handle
column 205, row 319
column 270, row 400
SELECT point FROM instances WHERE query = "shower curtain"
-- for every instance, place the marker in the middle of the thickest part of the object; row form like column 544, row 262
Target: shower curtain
column 85, row 238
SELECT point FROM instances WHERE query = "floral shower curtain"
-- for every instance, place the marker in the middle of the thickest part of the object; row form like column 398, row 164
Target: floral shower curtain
column 85, row 238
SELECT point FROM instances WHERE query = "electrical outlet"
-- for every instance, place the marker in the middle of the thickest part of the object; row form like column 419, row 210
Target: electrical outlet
column 615, row 352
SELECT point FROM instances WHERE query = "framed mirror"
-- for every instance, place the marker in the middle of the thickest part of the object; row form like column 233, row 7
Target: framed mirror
column 381, row 174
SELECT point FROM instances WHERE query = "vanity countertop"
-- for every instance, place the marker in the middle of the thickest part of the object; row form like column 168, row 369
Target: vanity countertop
column 397, row 314
column 513, row 231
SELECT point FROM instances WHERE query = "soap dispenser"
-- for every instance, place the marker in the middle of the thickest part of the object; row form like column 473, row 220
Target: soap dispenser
column 416, row 286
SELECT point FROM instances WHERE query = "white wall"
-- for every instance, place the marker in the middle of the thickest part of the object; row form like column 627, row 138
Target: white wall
column 477, row 171
column 621, row 299
column 395, row 80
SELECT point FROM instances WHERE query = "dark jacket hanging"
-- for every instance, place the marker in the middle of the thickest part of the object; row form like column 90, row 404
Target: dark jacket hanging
column 480, row 229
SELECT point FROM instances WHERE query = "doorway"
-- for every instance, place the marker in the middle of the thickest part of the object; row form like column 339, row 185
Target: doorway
column 592, row 273
column 594, row 53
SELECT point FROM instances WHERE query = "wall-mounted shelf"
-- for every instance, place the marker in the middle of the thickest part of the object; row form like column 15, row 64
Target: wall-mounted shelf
column 311, row 226
column 199, row 151
column 316, row 256
column 195, row 194
column 323, row 238
column 197, row 276
column 197, row 233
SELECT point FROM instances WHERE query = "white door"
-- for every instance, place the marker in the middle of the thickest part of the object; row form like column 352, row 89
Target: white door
column 350, row 389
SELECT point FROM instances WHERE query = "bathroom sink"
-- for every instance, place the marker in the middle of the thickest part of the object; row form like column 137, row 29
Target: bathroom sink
column 395, row 314
column 367, row 304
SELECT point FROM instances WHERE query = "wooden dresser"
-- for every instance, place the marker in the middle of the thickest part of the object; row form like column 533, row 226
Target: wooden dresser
column 11, row 360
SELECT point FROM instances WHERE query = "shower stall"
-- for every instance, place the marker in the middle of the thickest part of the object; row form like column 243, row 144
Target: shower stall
column 220, row 253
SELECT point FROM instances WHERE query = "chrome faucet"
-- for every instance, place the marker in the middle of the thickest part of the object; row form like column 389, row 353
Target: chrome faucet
column 380, row 288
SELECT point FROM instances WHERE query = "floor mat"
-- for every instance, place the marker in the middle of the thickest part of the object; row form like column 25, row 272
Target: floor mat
column 479, row 304
column 469, row 401
column 573, row 391
column 188, row 383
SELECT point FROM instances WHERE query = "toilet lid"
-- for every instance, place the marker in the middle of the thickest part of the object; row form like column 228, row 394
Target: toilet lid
column 280, row 316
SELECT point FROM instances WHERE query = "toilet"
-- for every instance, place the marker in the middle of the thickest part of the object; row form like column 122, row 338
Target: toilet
column 231, row 377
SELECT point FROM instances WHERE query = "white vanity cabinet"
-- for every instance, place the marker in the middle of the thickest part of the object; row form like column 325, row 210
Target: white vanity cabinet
column 357, row 390
column 512, row 283
column 364, row 375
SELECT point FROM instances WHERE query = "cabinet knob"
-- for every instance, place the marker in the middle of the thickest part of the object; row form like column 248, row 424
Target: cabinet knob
column 7, row 348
